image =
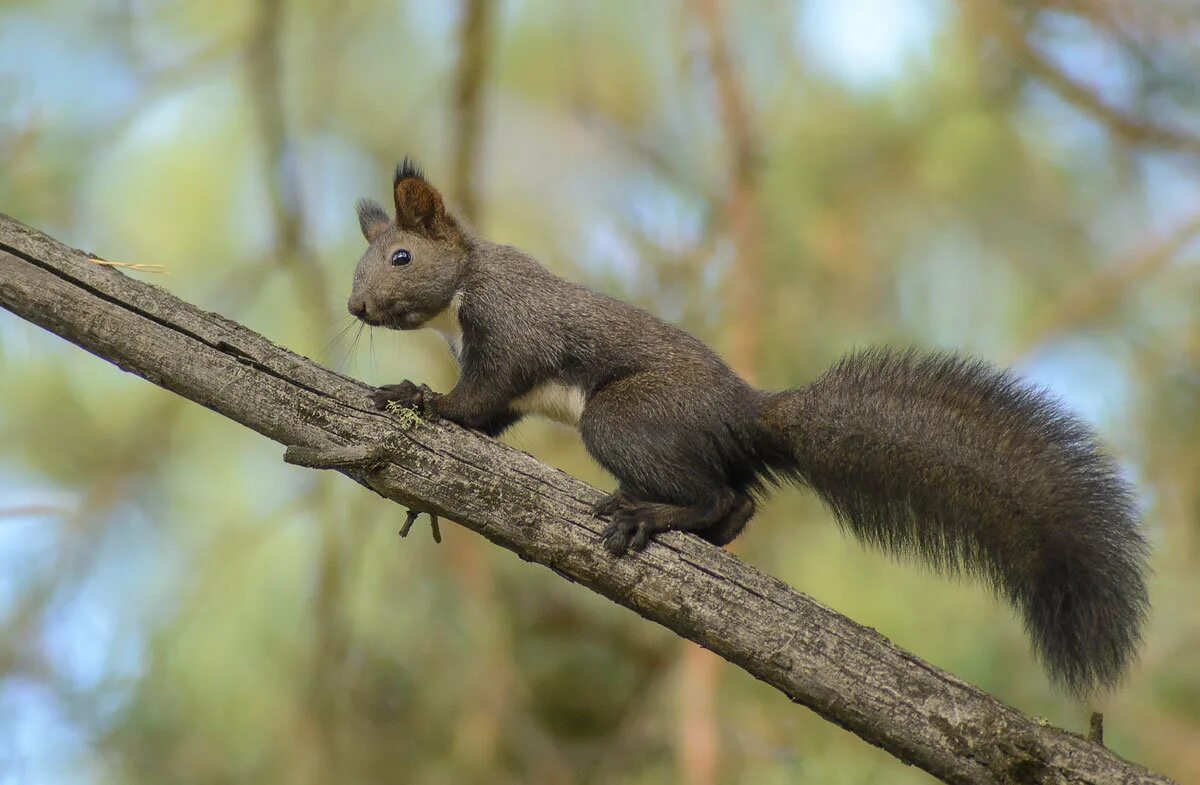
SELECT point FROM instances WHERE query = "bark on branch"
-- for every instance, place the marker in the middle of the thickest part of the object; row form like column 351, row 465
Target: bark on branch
column 847, row 673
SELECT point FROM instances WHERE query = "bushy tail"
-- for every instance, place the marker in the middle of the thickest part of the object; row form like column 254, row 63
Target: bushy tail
column 965, row 466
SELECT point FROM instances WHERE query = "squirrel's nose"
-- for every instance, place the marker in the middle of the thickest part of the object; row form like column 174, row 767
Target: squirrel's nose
column 357, row 306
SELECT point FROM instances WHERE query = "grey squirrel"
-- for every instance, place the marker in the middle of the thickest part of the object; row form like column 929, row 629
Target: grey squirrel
column 921, row 454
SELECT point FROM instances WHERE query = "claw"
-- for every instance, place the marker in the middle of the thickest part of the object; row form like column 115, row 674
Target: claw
column 641, row 537
column 614, row 540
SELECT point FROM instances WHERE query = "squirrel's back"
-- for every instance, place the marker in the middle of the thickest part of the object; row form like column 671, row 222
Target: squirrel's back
column 608, row 337
column 968, row 468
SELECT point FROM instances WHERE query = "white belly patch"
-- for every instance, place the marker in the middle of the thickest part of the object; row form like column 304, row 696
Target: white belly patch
column 553, row 400
column 556, row 401
column 446, row 324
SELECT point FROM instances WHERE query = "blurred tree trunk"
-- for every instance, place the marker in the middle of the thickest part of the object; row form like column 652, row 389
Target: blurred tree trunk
column 700, row 739
column 486, row 696
column 474, row 52
column 316, row 734
column 264, row 58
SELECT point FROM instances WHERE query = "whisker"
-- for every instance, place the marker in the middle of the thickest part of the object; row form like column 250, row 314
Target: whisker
column 328, row 325
column 332, row 345
column 353, row 353
column 331, row 351
column 371, row 351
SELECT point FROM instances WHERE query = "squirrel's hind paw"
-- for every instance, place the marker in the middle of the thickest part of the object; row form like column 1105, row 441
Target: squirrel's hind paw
column 610, row 504
column 631, row 528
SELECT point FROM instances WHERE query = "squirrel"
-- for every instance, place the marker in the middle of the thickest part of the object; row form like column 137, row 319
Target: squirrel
column 925, row 454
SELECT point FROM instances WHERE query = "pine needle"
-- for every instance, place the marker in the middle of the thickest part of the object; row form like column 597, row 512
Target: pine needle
column 144, row 268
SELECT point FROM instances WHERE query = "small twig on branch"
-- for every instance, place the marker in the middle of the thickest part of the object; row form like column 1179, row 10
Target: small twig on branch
column 364, row 457
column 433, row 524
column 1096, row 728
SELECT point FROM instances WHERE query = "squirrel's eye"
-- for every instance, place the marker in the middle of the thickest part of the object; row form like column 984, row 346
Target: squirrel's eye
column 401, row 258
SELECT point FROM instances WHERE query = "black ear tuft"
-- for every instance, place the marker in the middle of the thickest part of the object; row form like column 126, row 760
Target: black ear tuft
column 406, row 169
column 419, row 206
column 372, row 218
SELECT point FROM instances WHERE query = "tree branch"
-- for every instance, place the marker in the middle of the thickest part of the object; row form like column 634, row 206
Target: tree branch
column 1101, row 292
column 700, row 748
column 997, row 21
column 847, row 673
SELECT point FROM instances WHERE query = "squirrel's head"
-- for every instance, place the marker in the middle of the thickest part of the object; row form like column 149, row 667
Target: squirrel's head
column 414, row 264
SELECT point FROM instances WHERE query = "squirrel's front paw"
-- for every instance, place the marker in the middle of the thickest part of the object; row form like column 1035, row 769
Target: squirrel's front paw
column 407, row 394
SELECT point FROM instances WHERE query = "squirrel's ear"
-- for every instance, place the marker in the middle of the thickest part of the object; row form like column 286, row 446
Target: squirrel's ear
column 372, row 219
column 419, row 206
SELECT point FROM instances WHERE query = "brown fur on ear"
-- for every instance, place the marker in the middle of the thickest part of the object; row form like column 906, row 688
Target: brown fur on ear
column 372, row 219
column 419, row 206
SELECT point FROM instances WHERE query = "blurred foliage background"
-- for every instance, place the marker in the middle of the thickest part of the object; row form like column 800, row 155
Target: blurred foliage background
column 787, row 179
